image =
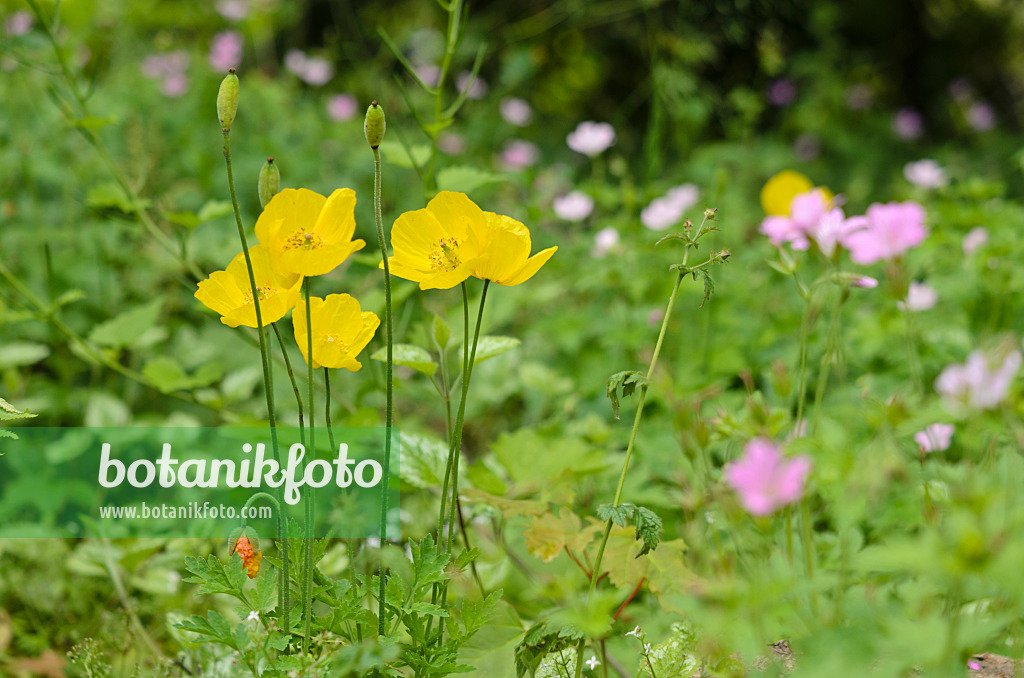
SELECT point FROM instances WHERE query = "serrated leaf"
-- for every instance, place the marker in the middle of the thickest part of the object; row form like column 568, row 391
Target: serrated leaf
column 409, row 356
column 491, row 346
column 649, row 528
column 423, row 460
column 9, row 412
column 464, row 179
column 429, row 608
column 624, row 382
column 709, row 286
column 22, row 353
column 619, row 515
column 427, row 564
column 124, row 329
column 266, row 589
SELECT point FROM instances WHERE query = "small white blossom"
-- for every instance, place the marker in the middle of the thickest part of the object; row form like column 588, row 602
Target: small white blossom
column 635, row 632
column 593, row 663
column 254, row 615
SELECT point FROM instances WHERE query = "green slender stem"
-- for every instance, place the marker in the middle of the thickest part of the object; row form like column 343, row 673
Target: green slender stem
column 389, row 367
column 456, row 449
column 291, row 378
column 307, row 551
column 596, row 572
column 284, row 592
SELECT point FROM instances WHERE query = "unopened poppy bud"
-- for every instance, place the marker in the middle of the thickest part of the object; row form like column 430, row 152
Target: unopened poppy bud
column 374, row 125
column 227, row 100
column 270, row 182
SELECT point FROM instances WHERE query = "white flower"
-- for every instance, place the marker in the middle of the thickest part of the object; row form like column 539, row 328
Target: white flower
column 669, row 209
column 635, row 632
column 593, row 663
column 516, row 111
column 573, row 206
column 647, row 648
column 254, row 615
column 920, row 297
column 925, row 173
column 604, row 240
column 591, row 138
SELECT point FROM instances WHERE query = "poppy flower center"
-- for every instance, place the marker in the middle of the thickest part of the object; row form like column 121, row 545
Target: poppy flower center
column 306, row 241
column 443, row 256
column 264, row 292
column 333, row 339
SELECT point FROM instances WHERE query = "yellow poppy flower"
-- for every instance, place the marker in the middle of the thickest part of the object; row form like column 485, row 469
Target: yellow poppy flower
column 437, row 246
column 230, row 294
column 341, row 329
column 779, row 191
column 505, row 251
column 307, row 233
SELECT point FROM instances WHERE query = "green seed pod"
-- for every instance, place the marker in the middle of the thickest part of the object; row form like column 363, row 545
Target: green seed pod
column 374, row 125
column 227, row 100
column 270, row 182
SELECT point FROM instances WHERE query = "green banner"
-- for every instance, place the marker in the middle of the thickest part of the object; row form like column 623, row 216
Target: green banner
column 195, row 482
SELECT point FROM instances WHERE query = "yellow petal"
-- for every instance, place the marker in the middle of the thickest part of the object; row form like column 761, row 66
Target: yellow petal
column 531, row 267
column 456, row 212
column 505, row 253
column 337, row 219
column 295, row 206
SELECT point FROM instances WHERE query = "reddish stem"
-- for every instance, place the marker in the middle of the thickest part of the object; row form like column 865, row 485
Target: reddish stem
column 629, row 599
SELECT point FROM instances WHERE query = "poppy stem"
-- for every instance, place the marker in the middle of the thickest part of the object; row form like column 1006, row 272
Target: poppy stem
column 389, row 421
column 307, row 551
column 291, row 378
column 284, row 583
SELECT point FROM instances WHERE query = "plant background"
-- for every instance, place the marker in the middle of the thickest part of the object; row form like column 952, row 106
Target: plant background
column 687, row 87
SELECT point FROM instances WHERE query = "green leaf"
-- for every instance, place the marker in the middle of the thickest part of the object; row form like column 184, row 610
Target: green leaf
column 22, row 353
column 395, row 153
column 92, row 122
column 187, row 219
column 266, row 589
column 429, row 608
column 648, row 524
column 126, row 328
column 110, row 195
column 427, row 565
column 540, row 640
column 441, row 331
column 626, row 382
column 465, row 179
column 9, row 412
column 490, row 346
column 423, row 460
column 619, row 515
column 709, row 286
column 409, row 356
column 165, row 373
column 214, row 209
column 674, row 657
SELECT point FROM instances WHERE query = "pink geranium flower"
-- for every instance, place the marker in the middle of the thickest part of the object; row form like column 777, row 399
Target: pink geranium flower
column 974, row 239
column 575, row 206
column 934, row 437
column 890, row 230
column 225, row 50
column 812, row 219
column 764, row 480
column 978, row 384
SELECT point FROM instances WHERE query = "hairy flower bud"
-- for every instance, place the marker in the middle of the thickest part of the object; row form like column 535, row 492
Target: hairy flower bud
column 374, row 125
column 269, row 183
column 227, row 100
